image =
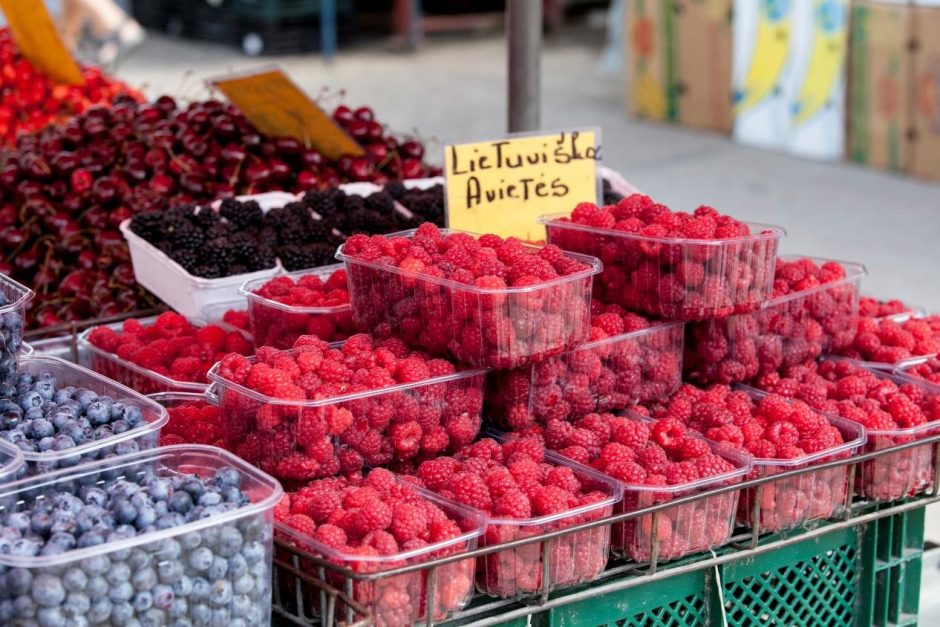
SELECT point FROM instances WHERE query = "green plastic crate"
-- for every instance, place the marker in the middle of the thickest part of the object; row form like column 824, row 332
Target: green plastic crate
column 864, row 575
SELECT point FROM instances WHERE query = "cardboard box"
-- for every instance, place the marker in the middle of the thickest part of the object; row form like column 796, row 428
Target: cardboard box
column 679, row 61
column 925, row 154
column 880, row 105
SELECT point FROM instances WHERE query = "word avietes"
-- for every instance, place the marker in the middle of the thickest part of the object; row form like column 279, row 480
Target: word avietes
column 503, row 186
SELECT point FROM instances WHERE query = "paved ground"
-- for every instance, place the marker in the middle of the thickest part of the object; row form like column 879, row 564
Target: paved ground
column 455, row 89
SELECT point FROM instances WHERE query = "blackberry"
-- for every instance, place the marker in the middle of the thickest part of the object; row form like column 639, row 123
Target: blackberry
column 187, row 236
column 381, row 202
column 207, row 271
column 177, row 217
column 221, row 230
column 187, row 257
column 149, row 225
column 206, row 219
column 291, row 223
column 242, row 215
column 396, row 189
column 352, row 202
column 219, row 252
column 264, row 258
column 306, row 256
column 610, row 196
column 428, row 203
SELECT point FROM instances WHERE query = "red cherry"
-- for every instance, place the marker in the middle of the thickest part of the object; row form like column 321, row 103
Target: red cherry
column 364, row 114
column 412, row 149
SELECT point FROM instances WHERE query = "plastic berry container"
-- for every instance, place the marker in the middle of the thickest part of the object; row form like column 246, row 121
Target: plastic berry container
column 695, row 527
column 487, row 328
column 216, row 314
column 14, row 298
column 11, row 462
column 269, row 431
column 178, row 431
column 574, row 559
column 279, row 325
column 134, row 376
column 675, row 278
column 400, row 599
column 785, row 331
column 144, row 436
column 605, row 375
column 156, row 577
column 810, row 495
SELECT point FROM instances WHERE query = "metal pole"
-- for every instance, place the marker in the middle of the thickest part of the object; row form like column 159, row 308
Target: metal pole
column 524, row 33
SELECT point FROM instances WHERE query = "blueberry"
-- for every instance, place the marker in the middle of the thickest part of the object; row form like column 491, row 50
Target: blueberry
column 94, row 495
column 230, row 541
column 159, row 489
column 75, row 432
column 51, row 617
column 126, row 447
column 9, row 419
column 119, row 426
column 170, row 520
column 142, row 601
column 122, row 487
column 92, row 537
column 7, row 611
column 170, row 571
column 70, row 406
column 24, row 547
column 120, row 572
column 68, row 503
column 201, row 559
column 97, row 587
column 139, row 560
column 100, row 610
column 59, row 543
column 24, row 607
column 227, row 476
column 201, row 588
column 191, row 540
column 61, row 396
column 26, row 445
column 86, row 398
column 244, row 584
column 19, row 581
column 163, row 596
column 100, row 433
column 48, row 590
column 221, row 617
column 194, row 486
column 237, row 566
column 45, row 389
column 44, row 445
column 117, row 411
column 133, row 416
column 96, row 564
column 200, row 613
column 40, row 523
column 180, row 502
column 183, row 587
column 89, row 516
column 75, row 580
column 62, row 442
column 179, row 609
column 146, row 516
column 241, row 605
column 231, row 494
column 24, row 378
column 18, row 521
column 76, row 604
column 121, row 592
column 98, row 413
column 46, row 377
column 124, row 512
column 33, row 413
column 254, row 552
column 121, row 613
column 63, row 521
column 29, row 399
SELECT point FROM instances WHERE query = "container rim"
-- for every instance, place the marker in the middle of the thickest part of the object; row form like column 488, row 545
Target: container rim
column 171, row 396
column 60, row 476
column 220, row 381
column 248, row 288
column 775, row 232
column 900, row 372
column 25, row 294
column 479, row 519
column 162, row 416
column 859, row 439
column 656, row 326
column 595, row 266
column 854, row 271
column 84, row 342
column 614, row 489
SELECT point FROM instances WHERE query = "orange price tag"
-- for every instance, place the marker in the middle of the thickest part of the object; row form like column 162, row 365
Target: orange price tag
column 278, row 107
column 38, row 40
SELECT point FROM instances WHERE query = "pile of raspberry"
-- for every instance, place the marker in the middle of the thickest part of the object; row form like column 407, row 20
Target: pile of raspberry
column 483, row 325
column 773, row 428
column 316, row 303
column 315, row 437
column 193, row 422
column 657, row 454
column 928, row 370
column 171, row 346
column 514, row 481
column 884, row 340
column 678, row 281
column 237, row 319
column 605, row 376
column 365, row 523
column 884, row 407
column 783, row 333
column 869, row 307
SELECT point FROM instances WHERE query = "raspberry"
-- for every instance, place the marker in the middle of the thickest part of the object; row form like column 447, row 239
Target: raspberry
column 668, row 433
column 692, row 448
column 615, row 453
column 629, row 432
column 681, row 472
column 563, row 478
column 471, row 491
column 331, row 536
column 628, row 472
column 652, row 458
column 301, row 523
column 408, row 522
column 513, row 504
column 550, row 500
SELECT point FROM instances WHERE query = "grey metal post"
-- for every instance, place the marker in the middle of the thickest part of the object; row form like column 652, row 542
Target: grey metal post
column 524, row 34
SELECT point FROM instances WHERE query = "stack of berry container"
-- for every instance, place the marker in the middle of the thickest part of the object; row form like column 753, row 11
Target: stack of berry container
column 144, row 380
column 573, row 559
column 486, row 327
column 254, row 419
column 279, row 325
column 788, row 330
column 211, row 569
column 675, row 278
column 605, row 375
column 89, row 386
column 701, row 525
column 402, row 599
column 13, row 300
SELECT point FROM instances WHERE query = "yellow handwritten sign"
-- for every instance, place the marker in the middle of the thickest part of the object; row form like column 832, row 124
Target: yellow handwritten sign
column 38, row 40
column 503, row 186
column 278, row 107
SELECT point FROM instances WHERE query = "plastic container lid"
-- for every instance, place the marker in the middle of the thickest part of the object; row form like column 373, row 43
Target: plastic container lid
column 594, row 267
column 757, row 234
column 249, row 289
column 262, row 489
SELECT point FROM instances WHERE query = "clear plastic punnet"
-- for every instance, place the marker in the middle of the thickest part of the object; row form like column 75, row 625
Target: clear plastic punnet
column 197, row 573
column 815, row 495
column 11, row 462
column 402, row 599
column 605, row 375
column 14, row 298
column 309, row 439
column 695, row 527
column 486, row 327
column 675, row 278
column 279, row 325
column 192, row 420
column 785, row 331
column 144, row 436
column 573, row 559
column 134, row 376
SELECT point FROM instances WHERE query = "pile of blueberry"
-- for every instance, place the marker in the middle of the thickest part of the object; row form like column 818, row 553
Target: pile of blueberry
column 218, row 575
column 39, row 417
